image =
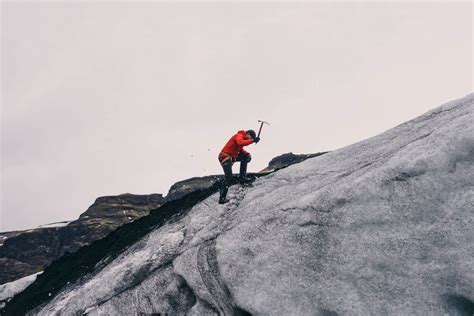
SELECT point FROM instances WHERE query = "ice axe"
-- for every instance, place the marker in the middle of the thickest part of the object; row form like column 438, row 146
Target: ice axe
column 261, row 125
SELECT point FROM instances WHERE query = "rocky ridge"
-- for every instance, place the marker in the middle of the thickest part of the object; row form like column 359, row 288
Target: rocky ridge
column 27, row 252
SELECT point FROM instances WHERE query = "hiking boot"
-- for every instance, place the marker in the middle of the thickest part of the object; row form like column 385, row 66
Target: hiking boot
column 223, row 201
column 245, row 180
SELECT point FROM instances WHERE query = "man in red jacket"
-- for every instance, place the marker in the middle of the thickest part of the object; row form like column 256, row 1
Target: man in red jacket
column 234, row 151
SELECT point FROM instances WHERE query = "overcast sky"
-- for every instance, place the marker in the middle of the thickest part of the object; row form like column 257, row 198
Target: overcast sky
column 107, row 98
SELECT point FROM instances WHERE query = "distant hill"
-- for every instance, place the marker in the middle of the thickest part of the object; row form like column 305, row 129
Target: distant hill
column 26, row 252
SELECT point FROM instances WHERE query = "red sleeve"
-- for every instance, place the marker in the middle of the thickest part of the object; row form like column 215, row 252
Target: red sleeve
column 243, row 142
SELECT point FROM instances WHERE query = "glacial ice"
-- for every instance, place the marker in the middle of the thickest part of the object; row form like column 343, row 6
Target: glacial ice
column 384, row 226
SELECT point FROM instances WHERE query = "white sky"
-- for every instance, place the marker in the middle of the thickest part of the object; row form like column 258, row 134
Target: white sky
column 107, row 98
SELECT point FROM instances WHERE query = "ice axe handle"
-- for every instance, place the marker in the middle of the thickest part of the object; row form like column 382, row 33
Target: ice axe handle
column 260, row 130
column 261, row 125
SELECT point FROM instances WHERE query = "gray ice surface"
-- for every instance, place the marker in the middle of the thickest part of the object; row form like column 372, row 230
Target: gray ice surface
column 384, row 226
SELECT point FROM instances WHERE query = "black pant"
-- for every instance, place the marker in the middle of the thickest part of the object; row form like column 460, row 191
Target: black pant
column 227, row 166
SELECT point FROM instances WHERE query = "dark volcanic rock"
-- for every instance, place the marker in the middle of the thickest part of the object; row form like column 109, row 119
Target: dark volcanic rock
column 13, row 269
column 288, row 159
column 26, row 252
column 124, row 205
column 181, row 188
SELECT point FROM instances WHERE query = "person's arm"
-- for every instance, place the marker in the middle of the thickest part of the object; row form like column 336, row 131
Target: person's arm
column 242, row 141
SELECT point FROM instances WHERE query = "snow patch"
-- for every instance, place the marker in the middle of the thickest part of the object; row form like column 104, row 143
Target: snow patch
column 54, row 225
column 2, row 240
column 9, row 290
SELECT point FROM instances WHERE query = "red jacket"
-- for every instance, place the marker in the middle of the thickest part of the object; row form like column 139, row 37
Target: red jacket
column 236, row 143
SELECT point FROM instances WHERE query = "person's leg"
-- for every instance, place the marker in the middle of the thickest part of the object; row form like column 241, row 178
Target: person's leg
column 244, row 160
column 227, row 166
column 243, row 170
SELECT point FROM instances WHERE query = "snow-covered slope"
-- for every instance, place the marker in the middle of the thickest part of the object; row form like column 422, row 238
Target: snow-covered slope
column 10, row 289
column 384, row 226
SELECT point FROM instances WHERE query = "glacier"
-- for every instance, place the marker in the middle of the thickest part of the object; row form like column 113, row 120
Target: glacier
column 383, row 226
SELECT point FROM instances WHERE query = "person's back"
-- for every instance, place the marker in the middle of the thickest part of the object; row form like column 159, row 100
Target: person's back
column 236, row 144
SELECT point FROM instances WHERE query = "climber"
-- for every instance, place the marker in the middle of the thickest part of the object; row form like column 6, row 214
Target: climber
column 233, row 151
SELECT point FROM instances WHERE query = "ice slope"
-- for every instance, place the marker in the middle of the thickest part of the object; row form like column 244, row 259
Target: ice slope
column 384, row 226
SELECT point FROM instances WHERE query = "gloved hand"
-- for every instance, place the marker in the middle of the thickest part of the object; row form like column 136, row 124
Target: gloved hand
column 249, row 157
column 256, row 139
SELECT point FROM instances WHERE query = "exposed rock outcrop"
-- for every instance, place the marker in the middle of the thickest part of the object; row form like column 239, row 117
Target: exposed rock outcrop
column 288, row 159
column 181, row 188
column 26, row 252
